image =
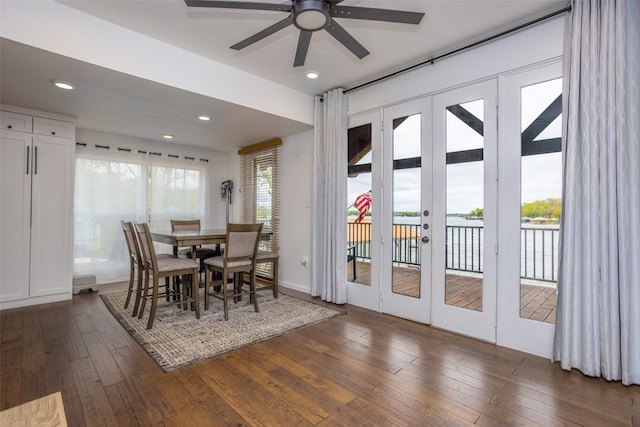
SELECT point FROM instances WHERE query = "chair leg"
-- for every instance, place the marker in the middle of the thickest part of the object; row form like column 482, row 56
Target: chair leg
column 274, row 277
column 185, row 291
column 131, row 277
column 154, row 303
column 136, row 303
column 253, row 291
column 207, row 284
column 224, row 294
column 144, row 294
column 196, row 291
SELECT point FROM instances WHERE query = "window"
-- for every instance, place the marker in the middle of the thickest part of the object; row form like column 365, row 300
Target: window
column 110, row 187
column 259, row 183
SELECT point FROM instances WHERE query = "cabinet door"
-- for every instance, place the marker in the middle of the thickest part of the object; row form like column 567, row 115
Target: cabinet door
column 52, row 128
column 51, row 231
column 15, row 198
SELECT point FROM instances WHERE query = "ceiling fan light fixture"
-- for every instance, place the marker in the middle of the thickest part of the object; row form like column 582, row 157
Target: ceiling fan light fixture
column 311, row 15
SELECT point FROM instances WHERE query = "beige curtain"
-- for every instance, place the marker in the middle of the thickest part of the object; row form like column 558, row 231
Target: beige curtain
column 329, row 256
column 598, row 319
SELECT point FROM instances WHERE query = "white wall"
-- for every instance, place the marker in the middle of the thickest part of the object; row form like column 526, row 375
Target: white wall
column 218, row 164
column 296, row 177
column 536, row 44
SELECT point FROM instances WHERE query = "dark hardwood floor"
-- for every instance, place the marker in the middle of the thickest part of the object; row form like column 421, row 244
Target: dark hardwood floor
column 363, row 368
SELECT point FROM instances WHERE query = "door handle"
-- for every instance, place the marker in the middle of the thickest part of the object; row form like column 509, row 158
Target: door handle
column 425, row 239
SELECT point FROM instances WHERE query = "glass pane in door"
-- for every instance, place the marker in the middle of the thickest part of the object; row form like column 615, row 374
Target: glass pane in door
column 464, row 199
column 360, row 199
column 541, row 199
column 407, row 204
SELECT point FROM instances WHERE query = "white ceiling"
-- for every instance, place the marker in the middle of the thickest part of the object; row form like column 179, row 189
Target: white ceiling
column 119, row 103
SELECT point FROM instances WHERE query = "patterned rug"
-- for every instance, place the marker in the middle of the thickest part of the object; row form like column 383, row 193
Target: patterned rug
column 178, row 339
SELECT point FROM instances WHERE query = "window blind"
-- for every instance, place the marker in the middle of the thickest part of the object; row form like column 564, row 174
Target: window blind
column 260, row 192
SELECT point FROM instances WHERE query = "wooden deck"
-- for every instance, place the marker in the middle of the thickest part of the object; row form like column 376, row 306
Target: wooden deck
column 536, row 302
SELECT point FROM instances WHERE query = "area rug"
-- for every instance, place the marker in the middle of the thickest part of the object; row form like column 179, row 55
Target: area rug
column 178, row 339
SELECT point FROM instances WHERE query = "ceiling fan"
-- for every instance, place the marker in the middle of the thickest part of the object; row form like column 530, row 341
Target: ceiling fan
column 313, row 15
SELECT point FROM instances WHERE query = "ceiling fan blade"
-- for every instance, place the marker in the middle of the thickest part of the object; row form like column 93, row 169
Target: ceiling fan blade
column 303, row 47
column 372, row 14
column 264, row 33
column 346, row 39
column 239, row 5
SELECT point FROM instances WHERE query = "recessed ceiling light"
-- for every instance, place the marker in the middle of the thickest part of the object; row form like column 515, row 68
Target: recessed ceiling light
column 312, row 75
column 167, row 136
column 204, row 117
column 62, row 85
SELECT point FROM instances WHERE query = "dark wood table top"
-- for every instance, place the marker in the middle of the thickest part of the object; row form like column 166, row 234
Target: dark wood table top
column 190, row 238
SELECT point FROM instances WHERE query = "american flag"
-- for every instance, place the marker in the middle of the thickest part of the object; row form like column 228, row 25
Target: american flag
column 363, row 204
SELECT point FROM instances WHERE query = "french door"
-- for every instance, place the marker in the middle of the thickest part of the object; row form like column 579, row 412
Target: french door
column 531, row 175
column 464, row 210
column 449, row 240
column 407, row 203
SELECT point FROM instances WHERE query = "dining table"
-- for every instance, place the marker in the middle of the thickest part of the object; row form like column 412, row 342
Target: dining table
column 192, row 238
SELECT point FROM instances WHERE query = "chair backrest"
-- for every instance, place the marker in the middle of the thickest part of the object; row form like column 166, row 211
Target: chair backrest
column 132, row 243
column 146, row 246
column 242, row 241
column 185, row 225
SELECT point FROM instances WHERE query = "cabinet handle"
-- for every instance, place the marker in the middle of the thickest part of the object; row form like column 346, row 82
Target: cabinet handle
column 28, row 160
column 35, row 158
column 53, row 133
column 9, row 127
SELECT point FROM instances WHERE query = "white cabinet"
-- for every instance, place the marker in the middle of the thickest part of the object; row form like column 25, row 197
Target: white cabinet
column 36, row 210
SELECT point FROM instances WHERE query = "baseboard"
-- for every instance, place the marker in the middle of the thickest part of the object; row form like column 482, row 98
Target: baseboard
column 35, row 301
column 295, row 287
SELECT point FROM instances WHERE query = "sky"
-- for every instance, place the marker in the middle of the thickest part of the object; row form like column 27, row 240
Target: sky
column 540, row 174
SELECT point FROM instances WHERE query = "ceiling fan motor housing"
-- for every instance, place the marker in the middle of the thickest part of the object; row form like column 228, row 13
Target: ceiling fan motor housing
column 311, row 15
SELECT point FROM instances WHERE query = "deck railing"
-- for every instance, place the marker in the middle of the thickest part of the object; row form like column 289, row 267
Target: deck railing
column 465, row 248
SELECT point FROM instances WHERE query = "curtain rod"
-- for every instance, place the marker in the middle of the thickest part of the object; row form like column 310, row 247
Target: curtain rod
column 432, row 60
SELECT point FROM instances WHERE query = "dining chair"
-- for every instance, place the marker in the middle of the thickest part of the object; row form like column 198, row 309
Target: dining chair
column 201, row 252
column 267, row 257
column 239, row 256
column 136, row 266
column 158, row 267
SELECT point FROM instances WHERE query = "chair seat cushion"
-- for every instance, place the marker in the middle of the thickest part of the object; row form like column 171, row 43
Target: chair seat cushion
column 218, row 262
column 175, row 263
